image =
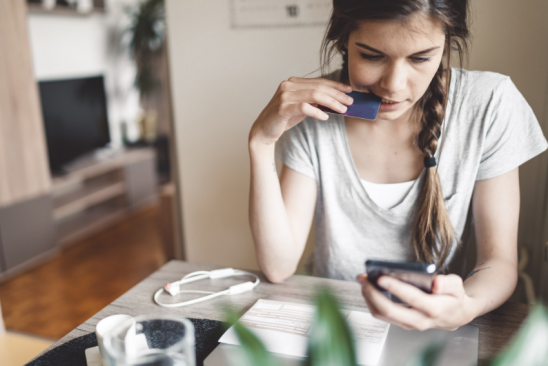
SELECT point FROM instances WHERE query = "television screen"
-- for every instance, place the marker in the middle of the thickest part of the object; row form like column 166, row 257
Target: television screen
column 75, row 118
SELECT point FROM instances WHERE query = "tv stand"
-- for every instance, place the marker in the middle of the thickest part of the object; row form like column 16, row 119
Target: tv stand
column 92, row 158
column 96, row 192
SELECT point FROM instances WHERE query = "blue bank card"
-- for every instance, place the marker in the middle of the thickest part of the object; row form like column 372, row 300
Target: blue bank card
column 365, row 106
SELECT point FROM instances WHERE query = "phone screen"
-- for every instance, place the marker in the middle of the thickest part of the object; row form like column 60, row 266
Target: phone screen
column 417, row 274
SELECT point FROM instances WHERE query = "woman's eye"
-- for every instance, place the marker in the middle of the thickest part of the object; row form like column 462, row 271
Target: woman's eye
column 370, row 57
column 420, row 59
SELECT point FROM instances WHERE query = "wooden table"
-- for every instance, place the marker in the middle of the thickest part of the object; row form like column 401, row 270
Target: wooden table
column 495, row 329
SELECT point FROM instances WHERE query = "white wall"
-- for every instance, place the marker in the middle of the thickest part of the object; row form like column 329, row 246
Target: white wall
column 70, row 46
column 67, row 46
column 511, row 37
column 221, row 80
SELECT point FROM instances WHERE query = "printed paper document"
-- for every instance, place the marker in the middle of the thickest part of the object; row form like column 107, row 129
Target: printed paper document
column 283, row 328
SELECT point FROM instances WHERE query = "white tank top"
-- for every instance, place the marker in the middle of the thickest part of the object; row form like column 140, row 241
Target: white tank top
column 387, row 195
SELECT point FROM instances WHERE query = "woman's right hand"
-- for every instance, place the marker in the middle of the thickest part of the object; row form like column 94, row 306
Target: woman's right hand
column 294, row 100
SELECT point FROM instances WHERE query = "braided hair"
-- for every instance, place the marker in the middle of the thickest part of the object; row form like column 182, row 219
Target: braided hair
column 432, row 223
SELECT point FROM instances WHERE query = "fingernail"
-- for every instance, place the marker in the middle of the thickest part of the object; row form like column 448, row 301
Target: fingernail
column 382, row 282
column 343, row 108
column 325, row 116
column 349, row 100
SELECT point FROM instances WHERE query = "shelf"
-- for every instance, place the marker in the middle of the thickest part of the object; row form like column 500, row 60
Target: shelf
column 92, row 166
column 98, row 189
column 75, row 189
column 88, row 198
column 62, row 10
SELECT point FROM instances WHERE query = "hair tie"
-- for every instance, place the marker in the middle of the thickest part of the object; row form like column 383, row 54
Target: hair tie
column 429, row 162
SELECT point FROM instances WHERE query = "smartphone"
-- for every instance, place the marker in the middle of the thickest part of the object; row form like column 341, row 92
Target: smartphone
column 420, row 275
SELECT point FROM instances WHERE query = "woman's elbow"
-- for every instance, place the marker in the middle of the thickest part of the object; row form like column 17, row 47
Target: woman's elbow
column 277, row 275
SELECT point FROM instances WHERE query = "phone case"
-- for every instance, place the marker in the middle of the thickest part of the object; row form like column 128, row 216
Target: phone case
column 417, row 274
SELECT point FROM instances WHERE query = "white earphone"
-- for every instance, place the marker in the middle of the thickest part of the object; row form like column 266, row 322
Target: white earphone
column 173, row 288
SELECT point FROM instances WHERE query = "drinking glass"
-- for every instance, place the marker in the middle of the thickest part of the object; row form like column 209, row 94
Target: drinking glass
column 151, row 340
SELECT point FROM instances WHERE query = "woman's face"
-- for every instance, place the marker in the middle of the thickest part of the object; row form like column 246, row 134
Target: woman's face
column 396, row 61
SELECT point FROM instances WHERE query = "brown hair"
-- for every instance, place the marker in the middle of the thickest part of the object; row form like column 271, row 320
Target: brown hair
column 433, row 233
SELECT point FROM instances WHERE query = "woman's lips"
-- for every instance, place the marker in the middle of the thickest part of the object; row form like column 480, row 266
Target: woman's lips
column 389, row 105
column 386, row 107
column 386, row 104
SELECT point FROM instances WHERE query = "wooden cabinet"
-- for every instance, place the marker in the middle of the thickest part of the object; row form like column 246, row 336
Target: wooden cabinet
column 26, row 228
column 102, row 191
column 26, row 233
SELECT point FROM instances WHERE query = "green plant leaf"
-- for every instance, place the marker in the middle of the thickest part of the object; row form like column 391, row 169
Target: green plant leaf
column 530, row 347
column 254, row 351
column 330, row 340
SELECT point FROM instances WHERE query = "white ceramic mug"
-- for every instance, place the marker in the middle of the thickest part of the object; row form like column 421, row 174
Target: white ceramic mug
column 106, row 325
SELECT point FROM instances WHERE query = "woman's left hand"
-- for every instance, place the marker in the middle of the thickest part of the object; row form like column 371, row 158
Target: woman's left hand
column 448, row 307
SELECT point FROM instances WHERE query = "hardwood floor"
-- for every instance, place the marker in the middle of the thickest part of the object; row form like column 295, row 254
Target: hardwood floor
column 54, row 298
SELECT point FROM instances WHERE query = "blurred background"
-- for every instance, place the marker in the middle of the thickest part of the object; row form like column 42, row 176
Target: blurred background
column 123, row 141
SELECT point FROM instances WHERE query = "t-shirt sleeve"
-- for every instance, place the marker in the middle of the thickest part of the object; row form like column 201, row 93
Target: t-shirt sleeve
column 294, row 149
column 513, row 135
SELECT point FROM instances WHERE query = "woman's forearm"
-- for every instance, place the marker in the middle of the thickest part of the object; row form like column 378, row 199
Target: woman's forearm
column 278, row 245
column 495, row 205
column 270, row 227
column 490, row 284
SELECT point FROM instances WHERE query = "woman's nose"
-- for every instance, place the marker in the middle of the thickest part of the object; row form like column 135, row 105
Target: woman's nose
column 394, row 78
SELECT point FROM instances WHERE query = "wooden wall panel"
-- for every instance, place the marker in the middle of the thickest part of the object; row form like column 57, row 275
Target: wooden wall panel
column 24, row 171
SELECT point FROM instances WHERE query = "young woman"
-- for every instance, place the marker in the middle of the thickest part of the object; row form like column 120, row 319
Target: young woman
column 399, row 187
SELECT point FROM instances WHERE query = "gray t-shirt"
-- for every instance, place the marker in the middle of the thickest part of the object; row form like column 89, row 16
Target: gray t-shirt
column 490, row 130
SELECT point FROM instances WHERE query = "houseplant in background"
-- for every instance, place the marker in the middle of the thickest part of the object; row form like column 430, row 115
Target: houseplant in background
column 330, row 342
column 147, row 38
column 147, row 31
